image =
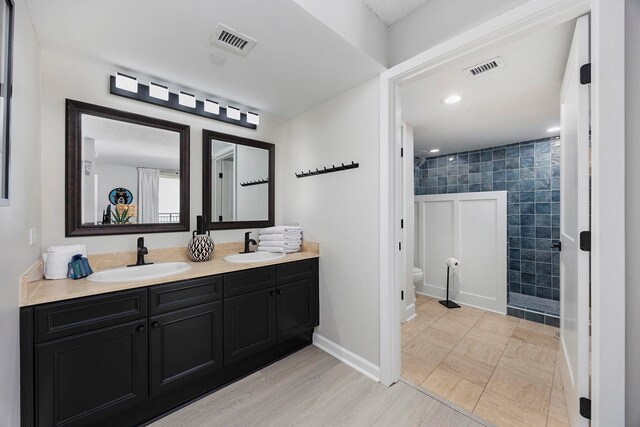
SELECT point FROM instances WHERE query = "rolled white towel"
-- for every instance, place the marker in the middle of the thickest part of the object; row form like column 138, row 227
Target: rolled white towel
column 280, row 237
column 278, row 250
column 81, row 249
column 280, row 244
column 56, row 260
column 280, row 229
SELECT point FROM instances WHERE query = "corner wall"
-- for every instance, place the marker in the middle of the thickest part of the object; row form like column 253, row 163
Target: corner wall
column 23, row 213
column 64, row 77
column 632, row 157
column 340, row 211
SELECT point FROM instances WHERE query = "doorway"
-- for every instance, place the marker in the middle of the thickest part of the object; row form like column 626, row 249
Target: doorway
column 519, row 22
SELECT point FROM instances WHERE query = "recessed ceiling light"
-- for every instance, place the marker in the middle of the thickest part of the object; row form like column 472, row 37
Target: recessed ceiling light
column 554, row 129
column 434, row 150
column 452, row 99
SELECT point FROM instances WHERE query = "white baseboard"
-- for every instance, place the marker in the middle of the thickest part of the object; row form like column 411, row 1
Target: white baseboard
column 410, row 312
column 342, row 354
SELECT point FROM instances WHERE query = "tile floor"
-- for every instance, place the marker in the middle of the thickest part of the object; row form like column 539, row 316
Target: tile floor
column 500, row 368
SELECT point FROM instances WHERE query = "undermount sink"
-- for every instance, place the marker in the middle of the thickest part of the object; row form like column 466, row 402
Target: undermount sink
column 142, row 272
column 254, row 257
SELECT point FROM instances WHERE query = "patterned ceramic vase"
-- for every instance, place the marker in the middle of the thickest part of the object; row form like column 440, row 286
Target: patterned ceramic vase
column 200, row 247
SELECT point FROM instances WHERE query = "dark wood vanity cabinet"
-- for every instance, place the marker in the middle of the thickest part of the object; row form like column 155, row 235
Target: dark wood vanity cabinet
column 83, row 378
column 127, row 357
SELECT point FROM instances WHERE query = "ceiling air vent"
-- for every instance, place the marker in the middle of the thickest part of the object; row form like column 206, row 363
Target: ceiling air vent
column 232, row 40
column 489, row 65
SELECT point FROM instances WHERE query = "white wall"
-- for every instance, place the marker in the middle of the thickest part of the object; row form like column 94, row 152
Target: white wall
column 252, row 202
column 440, row 20
column 632, row 158
column 340, row 211
column 24, row 211
column 355, row 22
column 69, row 77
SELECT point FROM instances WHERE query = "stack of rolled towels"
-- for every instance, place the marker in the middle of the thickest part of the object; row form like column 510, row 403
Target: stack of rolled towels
column 56, row 260
column 281, row 238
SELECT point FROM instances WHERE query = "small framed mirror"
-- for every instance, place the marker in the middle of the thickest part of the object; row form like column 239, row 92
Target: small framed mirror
column 125, row 173
column 238, row 181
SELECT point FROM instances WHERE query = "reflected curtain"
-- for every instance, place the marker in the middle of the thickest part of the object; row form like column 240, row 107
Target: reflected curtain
column 148, row 195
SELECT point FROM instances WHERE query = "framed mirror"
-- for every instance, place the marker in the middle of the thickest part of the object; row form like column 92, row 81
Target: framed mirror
column 238, row 181
column 6, row 70
column 125, row 173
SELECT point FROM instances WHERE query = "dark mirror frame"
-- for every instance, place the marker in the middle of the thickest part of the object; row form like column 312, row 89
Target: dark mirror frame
column 74, row 112
column 207, row 137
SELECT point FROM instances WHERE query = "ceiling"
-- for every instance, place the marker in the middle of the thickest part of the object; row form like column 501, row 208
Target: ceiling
column 517, row 102
column 392, row 10
column 297, row 63
column 127, row 144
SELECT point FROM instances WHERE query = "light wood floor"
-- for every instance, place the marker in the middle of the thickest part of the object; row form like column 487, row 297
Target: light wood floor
column 500, row 368
column 311, row 388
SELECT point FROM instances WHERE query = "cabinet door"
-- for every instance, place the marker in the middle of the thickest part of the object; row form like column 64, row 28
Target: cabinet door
column 249, row 324
column 185, row 345
column 87, row 377
column 297, row 308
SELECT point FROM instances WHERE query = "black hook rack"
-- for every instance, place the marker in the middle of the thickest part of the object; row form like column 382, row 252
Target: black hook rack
column 333, row 168
column 260, row 181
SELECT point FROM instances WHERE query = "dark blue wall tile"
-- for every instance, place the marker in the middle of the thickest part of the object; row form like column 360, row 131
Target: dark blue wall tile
column 513, row 175
column 529, row 172
column 534, row 317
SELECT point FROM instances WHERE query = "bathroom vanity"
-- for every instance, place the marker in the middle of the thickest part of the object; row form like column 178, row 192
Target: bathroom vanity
column 125, row 357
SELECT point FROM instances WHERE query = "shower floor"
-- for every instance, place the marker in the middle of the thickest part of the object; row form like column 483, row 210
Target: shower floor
column 537, row 309
column 500, row 368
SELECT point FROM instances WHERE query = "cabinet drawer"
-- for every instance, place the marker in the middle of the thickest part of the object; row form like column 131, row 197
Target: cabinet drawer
column 294, row 271
column 62, row 319
column 188, row 293
column 247, row 281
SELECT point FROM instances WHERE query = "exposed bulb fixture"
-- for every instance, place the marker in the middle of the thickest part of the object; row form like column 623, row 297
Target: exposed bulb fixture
column 452, row 99
column 127, row 83
column 434, row 150
column 554, row 129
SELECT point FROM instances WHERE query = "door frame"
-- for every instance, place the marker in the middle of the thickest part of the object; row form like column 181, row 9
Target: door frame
column 608, row 177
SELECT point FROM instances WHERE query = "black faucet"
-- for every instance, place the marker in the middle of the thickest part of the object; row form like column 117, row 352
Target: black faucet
column 248, row 241
column 142, row 251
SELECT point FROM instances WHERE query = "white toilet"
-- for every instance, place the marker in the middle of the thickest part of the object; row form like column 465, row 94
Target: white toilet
column 418, row 277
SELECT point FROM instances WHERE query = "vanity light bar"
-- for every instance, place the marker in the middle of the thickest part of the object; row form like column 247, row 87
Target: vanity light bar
column 126, row 82
column 211, row 107
column 233, row 113
column 187, row 99
column 253, row 118
column 157, row 94
column 159, row 91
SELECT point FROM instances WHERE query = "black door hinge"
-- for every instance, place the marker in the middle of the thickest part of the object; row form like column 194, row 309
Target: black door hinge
column 402, row 223
column 220, row 175
column 399, row 246
column 402, row 295
column 585, row 407
column 585, row 241
column 585, row 74
column 402, row 152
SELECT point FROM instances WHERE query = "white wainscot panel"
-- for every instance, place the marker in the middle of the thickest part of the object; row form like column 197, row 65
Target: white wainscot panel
column 473, row 228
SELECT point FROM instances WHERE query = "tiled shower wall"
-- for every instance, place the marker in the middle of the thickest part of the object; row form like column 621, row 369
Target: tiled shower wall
column 530, row 172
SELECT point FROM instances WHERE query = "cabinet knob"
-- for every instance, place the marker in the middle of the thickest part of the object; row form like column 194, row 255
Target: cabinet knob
column 279, row 291
column 140, row 328
column 272, row 293
column 155, row 325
